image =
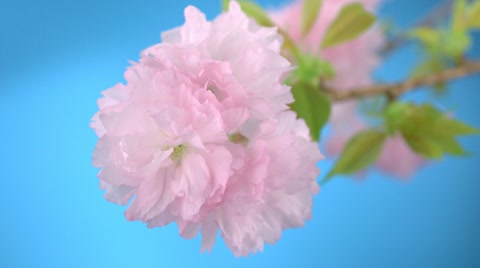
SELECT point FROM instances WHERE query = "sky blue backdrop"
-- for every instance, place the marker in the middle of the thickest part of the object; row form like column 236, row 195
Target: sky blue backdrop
column 56, row 56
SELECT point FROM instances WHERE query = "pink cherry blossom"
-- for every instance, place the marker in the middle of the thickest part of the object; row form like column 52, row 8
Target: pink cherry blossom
column 200, row 136
column 268, row 191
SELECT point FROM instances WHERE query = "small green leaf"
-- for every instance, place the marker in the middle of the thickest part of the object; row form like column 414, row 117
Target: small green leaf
column 288, row 44
column 359, row 153
column 455, row 43
column 428, row 66
column 311, row 9
column 261, row 17
column 352, row 21
column 256, row 12
column 311, row 70
column 428, row 36
column 396, row 116
column 473, row 20
column 458, row 16
column 313, row 106
column 225, row 4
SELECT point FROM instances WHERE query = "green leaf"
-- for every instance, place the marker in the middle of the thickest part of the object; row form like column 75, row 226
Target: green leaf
column 225, row 4
column 352, row 21
column 288, row 44
column 313, row 106
column 458, row 16
column 427, row 111
column 311, row 9
column 311, row 70
column 473, row 20
column 428, row 36
column 396, row 116
column 455, row 43
column 448, row 144
column 418, row 119
column 423, row 146
column 454, row 127
column 359, row 153
column 428, row 66
column 428, row 131
column 256, row 12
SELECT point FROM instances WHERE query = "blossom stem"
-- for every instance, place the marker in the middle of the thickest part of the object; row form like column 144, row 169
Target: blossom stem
column 397, row 89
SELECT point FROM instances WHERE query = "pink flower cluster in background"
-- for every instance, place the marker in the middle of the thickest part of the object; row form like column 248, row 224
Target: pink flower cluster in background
column 354, row 63
column 201, row 135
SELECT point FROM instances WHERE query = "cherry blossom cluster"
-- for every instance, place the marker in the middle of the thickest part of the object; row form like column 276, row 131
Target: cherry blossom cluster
column 201, row 135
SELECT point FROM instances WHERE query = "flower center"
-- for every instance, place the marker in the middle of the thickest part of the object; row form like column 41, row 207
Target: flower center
column 177, row 153
column 237, row 138
column 217, row 92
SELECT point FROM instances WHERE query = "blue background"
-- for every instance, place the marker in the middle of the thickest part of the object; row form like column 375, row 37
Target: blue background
column 55, row 59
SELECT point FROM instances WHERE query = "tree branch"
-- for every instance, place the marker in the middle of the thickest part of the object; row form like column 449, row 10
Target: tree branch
column 396, row 89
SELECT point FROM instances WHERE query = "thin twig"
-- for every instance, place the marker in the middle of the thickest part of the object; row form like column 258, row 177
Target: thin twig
column 397, row 89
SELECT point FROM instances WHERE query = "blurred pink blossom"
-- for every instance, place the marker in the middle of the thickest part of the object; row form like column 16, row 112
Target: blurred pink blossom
column 354, row 62
column 397, row 158
column 200, row 136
